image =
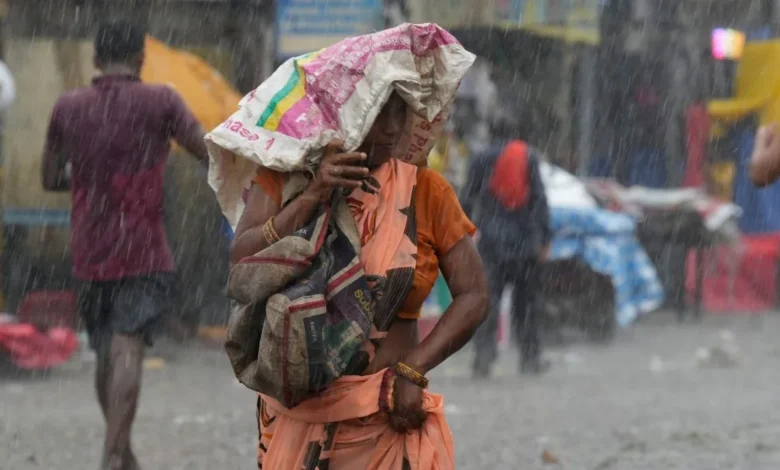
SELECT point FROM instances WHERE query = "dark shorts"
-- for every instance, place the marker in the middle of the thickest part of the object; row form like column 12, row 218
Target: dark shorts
column 131, row 306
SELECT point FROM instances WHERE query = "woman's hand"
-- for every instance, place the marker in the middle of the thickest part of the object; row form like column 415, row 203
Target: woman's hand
column 338, row 169
column 408, row 413
column 765, row 161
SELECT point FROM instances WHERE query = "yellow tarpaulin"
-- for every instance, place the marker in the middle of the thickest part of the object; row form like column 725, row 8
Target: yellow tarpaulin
column 206, row 92
column 757, row 86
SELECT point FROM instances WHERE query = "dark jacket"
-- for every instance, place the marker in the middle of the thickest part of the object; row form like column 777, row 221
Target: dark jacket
column 518, row 234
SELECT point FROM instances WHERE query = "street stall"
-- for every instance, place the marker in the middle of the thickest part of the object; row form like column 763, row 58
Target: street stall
column 753, row 100
column 599, row 276
column 735, row 271
column 677, row 227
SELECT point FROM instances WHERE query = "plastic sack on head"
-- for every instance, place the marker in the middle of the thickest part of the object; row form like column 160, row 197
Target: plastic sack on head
column 337, row 93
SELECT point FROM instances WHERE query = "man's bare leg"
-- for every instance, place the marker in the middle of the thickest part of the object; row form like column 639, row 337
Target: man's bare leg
column 103, row 377
column 119, row 386
column 102, row 381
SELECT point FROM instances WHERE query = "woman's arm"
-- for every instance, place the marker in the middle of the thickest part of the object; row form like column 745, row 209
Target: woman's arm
column 465, row 276
column 249, row 238
column 478, row 167
column 337, row 170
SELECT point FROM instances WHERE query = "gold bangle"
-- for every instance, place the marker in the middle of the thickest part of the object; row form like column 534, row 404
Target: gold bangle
column 411, row 375
column 269, row 238
column 271, row 229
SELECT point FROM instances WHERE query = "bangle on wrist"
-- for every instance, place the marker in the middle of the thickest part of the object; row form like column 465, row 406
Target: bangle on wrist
column 270, row 233
column 403, row 370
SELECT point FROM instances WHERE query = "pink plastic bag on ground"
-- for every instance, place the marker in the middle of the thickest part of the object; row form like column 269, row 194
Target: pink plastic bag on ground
column 30, row 348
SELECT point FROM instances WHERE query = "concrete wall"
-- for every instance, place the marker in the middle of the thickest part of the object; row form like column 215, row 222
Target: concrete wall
column 43, row 70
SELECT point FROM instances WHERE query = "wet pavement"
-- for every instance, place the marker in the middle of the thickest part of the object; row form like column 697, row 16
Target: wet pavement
column 661, row 396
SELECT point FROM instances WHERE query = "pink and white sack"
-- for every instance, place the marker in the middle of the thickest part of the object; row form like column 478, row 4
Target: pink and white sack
column 337, row 93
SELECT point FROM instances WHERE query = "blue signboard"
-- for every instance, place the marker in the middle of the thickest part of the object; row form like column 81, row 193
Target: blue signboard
column 307, row 25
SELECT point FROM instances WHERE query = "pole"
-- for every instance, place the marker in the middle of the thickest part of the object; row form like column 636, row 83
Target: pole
column 587, row 105
column 4, row 272
column 250, row 32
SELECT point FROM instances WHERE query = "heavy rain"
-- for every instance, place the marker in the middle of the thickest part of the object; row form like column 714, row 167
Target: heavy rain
column 389, row 234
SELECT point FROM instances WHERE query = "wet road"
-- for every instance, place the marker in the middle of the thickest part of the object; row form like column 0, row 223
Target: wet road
column 644, row 402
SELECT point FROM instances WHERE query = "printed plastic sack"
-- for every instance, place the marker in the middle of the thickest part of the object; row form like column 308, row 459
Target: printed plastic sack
column 337, row 92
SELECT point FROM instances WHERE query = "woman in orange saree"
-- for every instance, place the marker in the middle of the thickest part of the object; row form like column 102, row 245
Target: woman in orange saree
column 384, row 418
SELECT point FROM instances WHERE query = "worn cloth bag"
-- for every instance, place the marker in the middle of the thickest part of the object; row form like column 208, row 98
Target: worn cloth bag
column 306, row 310
column 302, row 310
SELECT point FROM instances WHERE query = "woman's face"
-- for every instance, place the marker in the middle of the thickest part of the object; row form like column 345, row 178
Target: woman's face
column 386, row 132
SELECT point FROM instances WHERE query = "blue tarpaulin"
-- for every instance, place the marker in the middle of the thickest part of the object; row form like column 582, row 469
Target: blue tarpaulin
column 606, row 242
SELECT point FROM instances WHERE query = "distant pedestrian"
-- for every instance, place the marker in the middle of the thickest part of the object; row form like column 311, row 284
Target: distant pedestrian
column 109, row 143
column 506, row 199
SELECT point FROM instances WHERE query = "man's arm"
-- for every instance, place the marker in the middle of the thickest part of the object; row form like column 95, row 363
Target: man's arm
column 764, row 166
column 53, row 170
column 185, row 129
column 540, row 212
column 474, row 182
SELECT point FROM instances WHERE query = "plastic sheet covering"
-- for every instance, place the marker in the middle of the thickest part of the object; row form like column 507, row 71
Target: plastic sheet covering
column 564, row 189
column 606, row 242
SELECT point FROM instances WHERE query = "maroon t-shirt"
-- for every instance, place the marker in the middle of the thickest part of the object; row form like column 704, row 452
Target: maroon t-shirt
column 116, row 136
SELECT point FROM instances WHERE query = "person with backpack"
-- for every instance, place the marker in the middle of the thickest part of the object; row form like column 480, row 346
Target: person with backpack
column 506, row 199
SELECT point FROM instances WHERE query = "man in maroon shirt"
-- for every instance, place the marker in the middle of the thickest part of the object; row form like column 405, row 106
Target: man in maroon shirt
column 108, row 144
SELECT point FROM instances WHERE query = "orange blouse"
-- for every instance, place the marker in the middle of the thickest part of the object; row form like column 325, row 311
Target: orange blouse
column 441, row 224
